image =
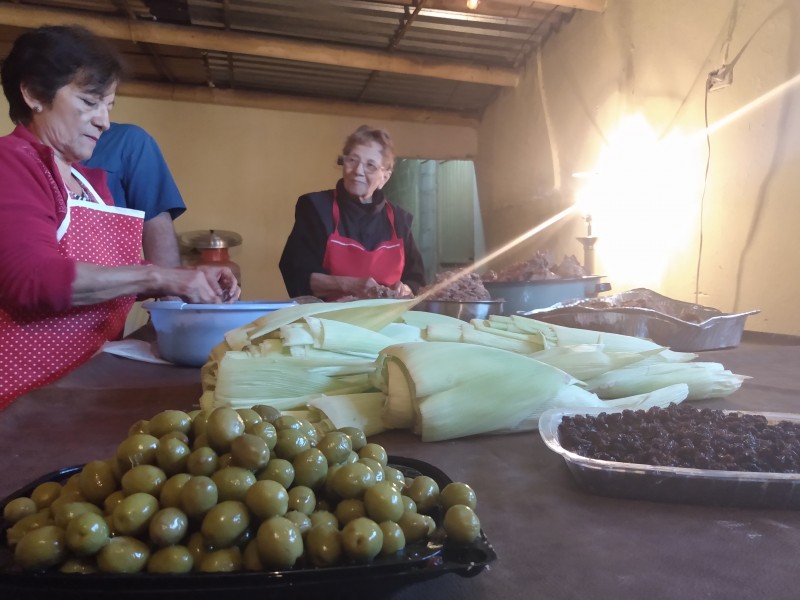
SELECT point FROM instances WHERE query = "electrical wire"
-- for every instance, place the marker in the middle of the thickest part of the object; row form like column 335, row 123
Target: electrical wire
column 703, row 199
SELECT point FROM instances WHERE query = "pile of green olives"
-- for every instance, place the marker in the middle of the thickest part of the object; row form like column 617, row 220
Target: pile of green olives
column 230, row 490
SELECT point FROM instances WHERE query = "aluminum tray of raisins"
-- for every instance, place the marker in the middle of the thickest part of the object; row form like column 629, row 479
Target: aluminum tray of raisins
column 662, row 483
column 381, row 578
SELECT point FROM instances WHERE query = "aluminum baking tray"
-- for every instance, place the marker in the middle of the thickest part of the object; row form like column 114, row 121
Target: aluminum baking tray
column 681, row 326
column 379, row 579
column 743, row 489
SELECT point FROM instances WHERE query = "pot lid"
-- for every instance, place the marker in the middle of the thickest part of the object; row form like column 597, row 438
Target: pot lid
column 210, row 238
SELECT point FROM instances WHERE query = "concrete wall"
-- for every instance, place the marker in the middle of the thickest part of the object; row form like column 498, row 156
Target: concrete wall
column 621, row 95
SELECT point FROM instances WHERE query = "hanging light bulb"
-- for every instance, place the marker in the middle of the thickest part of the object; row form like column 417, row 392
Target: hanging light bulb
column 472, row 4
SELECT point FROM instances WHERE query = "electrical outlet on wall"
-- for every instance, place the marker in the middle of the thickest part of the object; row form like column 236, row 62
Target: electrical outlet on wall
column 720, row 78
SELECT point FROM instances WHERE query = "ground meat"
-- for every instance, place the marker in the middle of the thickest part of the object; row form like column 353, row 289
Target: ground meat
column 537, row 268
column 463, row 288
column 684, row 436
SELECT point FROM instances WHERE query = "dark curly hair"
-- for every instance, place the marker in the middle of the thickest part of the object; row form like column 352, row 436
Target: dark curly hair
column 46, row 59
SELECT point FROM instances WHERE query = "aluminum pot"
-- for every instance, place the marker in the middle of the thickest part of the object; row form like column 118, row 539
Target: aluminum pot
column 521, row 296
column 466, row 311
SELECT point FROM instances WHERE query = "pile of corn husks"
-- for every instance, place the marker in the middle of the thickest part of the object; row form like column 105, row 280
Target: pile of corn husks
column 377, row 365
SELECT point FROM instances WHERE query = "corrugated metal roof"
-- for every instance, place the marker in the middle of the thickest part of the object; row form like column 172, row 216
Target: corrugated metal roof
column 426, row 55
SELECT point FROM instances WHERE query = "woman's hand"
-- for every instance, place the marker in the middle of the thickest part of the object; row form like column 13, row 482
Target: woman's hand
column 402, row 290
column 203, row 284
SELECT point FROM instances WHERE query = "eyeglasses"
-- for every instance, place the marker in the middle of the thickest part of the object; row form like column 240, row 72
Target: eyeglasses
column 352, row 162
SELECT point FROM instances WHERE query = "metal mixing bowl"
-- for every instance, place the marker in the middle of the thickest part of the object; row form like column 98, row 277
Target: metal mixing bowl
column 480, row 309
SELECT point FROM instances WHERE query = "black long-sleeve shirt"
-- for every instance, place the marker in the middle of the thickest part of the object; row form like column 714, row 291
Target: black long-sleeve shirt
column 368, row 224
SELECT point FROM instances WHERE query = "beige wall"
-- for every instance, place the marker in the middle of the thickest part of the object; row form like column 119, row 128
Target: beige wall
column 652, row 59
column 242, row 169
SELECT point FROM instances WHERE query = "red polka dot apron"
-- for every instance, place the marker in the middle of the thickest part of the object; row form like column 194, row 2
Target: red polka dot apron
column 37, row 347
column 346, row 256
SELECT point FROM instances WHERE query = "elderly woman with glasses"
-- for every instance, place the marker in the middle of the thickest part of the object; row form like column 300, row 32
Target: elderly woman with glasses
column 351, row 242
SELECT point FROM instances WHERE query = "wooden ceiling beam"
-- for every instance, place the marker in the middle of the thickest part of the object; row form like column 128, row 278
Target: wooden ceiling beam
column 262, row 100
column 519, row 9
column 258, row 45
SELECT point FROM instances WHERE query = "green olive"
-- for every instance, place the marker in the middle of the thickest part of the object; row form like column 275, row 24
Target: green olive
column 457, row 493
column 44, row 493
column 267, row 498
column 137, row 449
column 425, row 492
column 383, row 502
column 224, row 560
column 323, row 517
column 97, row 481
column 349, row 510
column 141, row 426
column 78, row 566
column 199, row 423
column 123, row 554
column 198, row 495
column 268, row 413
column 86, row 534
column 168, row 421
column 147, row 479
column 323, row 546
column 233, row 482
column 249, row 417
column 396, row 477
column 362, row 539
column 173, row 559
column 394, row 540
column 200, row 441
column 352, row 480
column 291, row 442
column 310, row 431
column 41, row 548
column 198, row 546
column 266, row 431
column 461, row 524
column 168, row 527
column 287, row 422
column 357, row 438
column 175, row 435
column 301, row 520
column 172, row 455
column 225, row 523
column 302, row 499
column 250, row 452
column 170, row 496
column 414, row 526
column 279, row 543
column 223, row 426
column 225, row 460
column 351, row 458
column 251, row 559
column 202, row 461
column 310, row 468
column 19, row 529
column 67, row 496
column 375, row 452
column 18, row 508
column 280, row 470
column 409, row 505
column 375, row 467
column 110, row 503
column 64, row 513
column 336, row 446
column 132, row 515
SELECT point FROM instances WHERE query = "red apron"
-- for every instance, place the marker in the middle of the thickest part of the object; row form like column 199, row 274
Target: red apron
column 38, row 347
column 345, row 256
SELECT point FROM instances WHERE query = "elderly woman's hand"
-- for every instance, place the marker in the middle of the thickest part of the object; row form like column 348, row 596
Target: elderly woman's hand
column 203, row 285
column 402, row 290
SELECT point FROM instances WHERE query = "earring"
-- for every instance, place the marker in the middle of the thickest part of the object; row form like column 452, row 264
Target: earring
column 37, row 109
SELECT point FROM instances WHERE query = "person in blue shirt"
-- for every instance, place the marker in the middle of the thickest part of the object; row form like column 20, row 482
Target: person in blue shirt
column 139, row 178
